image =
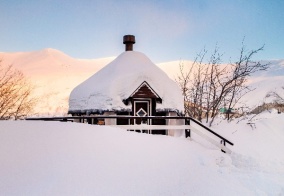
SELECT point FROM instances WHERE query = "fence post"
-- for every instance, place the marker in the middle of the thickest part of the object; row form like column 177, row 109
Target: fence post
column 224, row 143
column 187, row 131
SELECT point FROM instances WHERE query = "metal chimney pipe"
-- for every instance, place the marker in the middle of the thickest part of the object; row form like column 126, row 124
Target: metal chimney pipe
column 129, row 40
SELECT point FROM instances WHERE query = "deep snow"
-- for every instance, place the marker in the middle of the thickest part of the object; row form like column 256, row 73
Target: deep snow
column 106, row 89
column 53, row 158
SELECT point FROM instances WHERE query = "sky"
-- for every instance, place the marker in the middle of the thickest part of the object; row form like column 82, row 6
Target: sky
column 165, row 30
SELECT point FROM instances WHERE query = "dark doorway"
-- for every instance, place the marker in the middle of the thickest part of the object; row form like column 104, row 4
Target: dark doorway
column 141, row 108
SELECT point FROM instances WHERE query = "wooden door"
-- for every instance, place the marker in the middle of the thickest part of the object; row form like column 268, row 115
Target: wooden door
column 141, row 108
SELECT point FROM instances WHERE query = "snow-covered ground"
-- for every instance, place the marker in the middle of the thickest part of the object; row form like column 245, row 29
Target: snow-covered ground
column 55, row 158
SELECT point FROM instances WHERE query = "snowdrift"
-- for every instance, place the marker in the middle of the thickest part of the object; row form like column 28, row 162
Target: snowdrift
column 53, row 158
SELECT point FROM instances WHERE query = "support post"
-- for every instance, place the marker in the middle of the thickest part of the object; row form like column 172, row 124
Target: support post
column 224, row 143
column 187, row 133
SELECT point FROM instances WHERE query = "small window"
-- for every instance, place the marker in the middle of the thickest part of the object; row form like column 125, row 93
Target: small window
column 141, row 112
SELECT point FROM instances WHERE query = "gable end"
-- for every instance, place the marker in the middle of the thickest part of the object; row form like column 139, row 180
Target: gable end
column 144, row 91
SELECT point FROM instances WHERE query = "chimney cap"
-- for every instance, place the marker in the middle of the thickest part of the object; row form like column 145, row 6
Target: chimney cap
column 129, row 39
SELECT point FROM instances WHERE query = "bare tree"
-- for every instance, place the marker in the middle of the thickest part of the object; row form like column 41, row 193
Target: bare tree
column 277, row 98
column 215, row 72
column 193, row 77
column 15, row 94
column 278, row 101
column 240, row 71
column 209, row 86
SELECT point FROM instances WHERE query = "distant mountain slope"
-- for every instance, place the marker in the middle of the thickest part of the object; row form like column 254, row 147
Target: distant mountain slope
column 55, row 74
column 50, row 61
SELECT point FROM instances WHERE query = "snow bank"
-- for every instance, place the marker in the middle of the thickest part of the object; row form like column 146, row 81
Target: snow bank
column 259, row 141
column 107, row 89
column 260, row 135
column 53, row 158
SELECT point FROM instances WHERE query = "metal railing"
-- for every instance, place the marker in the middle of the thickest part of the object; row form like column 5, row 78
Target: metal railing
column 97, row 118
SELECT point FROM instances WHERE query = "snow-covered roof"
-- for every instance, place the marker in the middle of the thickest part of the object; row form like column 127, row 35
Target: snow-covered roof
column 106, row 90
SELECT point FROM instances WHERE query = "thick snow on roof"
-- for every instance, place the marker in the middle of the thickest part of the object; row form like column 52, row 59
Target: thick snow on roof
column 107, row 89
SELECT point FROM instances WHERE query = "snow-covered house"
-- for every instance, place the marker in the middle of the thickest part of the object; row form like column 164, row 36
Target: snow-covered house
column 130, row 85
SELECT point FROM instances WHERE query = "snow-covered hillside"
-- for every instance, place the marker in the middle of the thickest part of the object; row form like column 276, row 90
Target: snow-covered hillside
column 53, row 158
column 55, row 75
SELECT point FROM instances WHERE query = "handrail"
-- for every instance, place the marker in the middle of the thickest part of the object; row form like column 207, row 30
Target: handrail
column 132, row 117
column 118, row 116
column 214, row 133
